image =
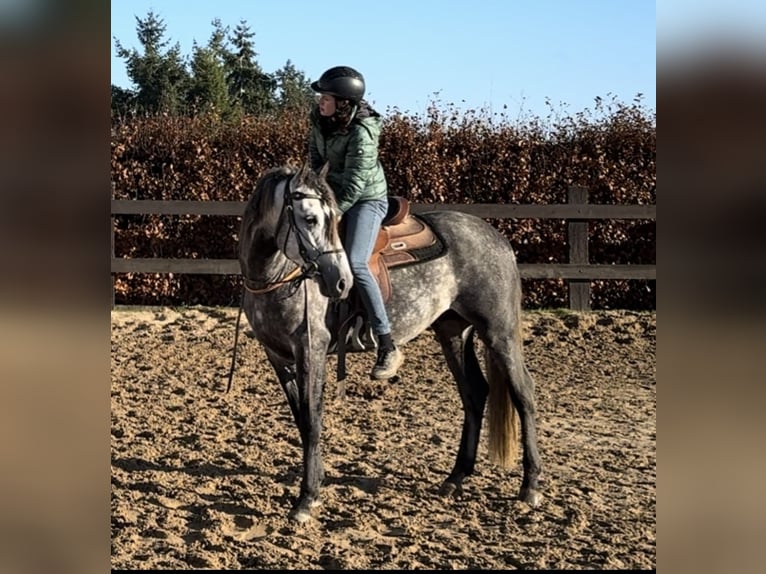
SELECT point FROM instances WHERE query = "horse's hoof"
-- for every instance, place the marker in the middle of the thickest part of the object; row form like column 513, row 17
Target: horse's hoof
column 450, row 489
column 531, row 496
column 302, row 512
column 300, row 516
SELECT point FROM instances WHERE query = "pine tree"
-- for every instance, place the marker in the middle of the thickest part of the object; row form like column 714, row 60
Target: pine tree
column 123, row 103
column 294, row 88
column 208, row 91
column 250, row 89
column 160, row 77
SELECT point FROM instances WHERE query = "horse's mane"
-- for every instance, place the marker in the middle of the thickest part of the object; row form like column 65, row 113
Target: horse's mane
column 261, row 202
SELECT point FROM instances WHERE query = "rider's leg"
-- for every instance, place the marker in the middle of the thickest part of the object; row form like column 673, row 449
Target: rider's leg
column 362, row 225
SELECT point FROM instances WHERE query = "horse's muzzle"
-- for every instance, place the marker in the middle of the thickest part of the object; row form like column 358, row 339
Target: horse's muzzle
column 337, row 290
column 344, row 287
column 335, row 279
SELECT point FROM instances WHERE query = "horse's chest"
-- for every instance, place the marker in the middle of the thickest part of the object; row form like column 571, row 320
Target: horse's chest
column 272, row 326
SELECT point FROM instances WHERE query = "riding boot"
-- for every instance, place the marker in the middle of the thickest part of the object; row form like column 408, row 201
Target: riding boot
column 389, row 359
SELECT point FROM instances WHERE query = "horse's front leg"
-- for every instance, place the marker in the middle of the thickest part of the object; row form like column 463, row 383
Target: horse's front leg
column 310, row 377
column 286, row 375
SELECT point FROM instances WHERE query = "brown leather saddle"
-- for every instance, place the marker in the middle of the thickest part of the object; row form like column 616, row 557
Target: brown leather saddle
column 404, row 239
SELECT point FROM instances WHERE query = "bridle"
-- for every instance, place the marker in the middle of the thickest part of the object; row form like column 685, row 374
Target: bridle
column 309, row 269
column 310, row 256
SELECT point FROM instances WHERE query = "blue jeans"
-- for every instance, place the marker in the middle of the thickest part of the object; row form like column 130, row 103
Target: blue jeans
column 362, row 226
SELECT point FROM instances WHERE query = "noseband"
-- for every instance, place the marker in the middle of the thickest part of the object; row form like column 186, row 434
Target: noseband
column 310, row 268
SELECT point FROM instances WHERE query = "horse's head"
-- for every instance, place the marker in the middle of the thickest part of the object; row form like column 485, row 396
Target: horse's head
column 312, row 238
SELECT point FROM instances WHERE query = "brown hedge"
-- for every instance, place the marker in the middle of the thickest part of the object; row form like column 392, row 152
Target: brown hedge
column 442, row 157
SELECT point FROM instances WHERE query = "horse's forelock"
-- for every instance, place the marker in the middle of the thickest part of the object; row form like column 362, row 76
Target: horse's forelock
column 309, row 178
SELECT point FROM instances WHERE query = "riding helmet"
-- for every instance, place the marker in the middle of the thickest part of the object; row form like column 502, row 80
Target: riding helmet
column 342, row 82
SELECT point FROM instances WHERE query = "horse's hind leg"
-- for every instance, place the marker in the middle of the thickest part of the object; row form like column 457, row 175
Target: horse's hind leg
column 456, row 338
column 506, row 368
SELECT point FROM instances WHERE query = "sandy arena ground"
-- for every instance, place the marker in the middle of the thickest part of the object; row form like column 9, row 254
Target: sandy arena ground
column 205, row 479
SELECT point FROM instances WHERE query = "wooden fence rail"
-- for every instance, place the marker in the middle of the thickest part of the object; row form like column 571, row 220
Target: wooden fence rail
column 578, row 272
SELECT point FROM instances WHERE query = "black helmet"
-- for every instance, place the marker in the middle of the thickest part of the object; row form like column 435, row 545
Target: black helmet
column 341, row 82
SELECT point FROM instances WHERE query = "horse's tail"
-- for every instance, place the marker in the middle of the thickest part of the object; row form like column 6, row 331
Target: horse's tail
column 503, row 444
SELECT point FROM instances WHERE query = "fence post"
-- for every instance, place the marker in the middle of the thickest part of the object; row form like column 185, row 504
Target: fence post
column 577, row 236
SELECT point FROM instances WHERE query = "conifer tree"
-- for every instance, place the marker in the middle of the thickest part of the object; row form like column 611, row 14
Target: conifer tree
column 160, row 77
column 250, row 89
column 208, row 91
column 123, row 103
column 294, row 88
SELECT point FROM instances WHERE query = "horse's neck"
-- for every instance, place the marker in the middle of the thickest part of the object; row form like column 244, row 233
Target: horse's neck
column 267, row 268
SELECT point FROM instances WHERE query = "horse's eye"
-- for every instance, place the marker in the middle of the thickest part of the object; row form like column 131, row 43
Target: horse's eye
column 311, row 221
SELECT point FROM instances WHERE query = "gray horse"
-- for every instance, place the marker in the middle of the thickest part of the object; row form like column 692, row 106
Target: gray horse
column 293, row 264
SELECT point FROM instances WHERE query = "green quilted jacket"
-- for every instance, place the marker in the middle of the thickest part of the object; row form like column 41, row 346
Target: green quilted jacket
column 355, row 172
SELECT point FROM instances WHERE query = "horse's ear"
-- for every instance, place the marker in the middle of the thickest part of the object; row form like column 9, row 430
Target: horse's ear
column 300, row 175
column 324, row 170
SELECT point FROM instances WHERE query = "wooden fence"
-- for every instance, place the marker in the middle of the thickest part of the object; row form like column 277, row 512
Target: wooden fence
column 578, row 272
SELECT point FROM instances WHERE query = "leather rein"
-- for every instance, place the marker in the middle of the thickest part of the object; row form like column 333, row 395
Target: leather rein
column 295, row 277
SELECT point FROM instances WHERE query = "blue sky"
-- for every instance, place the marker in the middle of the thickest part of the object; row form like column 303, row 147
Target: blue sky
column 480, row 55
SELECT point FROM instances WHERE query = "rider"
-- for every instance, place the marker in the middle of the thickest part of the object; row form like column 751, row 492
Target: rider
column 345, row 132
